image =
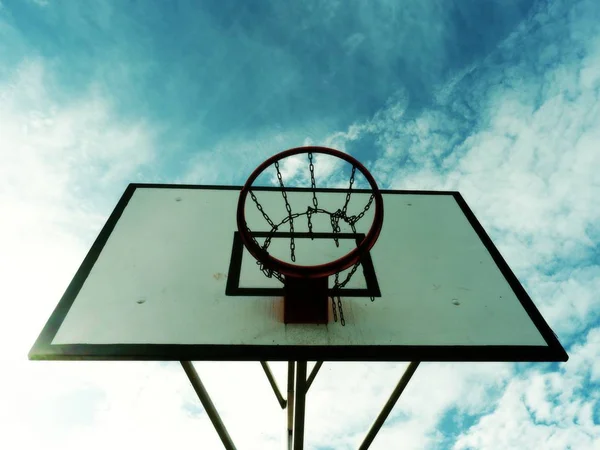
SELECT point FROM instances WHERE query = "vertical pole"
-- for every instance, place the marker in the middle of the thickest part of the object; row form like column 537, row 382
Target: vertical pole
column 290, row 402
column 300, row 405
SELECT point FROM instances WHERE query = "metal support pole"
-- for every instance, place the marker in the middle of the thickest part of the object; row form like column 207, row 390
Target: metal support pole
column 290, row 402
column 273, row 383
column 212, row 413
column 389, row 405
column 313, row 374
column 299, row 405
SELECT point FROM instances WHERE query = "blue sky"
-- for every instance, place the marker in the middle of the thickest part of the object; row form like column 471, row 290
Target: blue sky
column 496, row 99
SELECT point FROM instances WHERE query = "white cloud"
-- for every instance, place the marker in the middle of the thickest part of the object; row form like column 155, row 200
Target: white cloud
column 234, row 158
column 519, row 140
column 346, row 398
column 149, row 405
column 353, row 42
column 517, row 137
column 553, row 410
column 568, row 299
column 59, row 164
column 329, row 171
column 63, row 165
column 524, row 157
column 52, row 151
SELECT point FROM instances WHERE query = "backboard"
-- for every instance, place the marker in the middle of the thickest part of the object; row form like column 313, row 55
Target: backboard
column 169, row 279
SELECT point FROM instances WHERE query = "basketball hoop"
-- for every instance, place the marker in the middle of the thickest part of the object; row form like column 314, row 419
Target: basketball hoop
column 303, row 282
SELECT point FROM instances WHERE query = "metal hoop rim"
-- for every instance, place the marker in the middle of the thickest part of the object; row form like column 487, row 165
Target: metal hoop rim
column 321, row 270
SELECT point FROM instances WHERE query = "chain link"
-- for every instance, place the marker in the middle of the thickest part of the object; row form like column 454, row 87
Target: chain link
column 309, row 213
column 288, row 208
column 334, row 309
column 262, row 211
column 352, row 220
column 349, row 193
column 337, row 285
column 337, row 308
column 313, row 185
column 269, row 273
column 335, row 226
column 340, row 309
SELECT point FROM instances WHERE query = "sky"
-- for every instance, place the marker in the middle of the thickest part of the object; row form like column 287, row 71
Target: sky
column 496, row 99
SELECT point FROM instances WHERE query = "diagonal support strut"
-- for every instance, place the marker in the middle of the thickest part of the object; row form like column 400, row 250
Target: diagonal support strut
column 207, row 403
column 313, row 373
column 298, row 385
column 389, row 405
column 273, row 384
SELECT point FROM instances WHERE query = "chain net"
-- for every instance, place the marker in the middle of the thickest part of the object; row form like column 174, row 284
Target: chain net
column 340, row 215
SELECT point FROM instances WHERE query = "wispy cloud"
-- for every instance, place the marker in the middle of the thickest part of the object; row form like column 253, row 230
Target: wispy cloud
column 62, row 167
column 553, row 410
column 498, row 101
column 516, row 133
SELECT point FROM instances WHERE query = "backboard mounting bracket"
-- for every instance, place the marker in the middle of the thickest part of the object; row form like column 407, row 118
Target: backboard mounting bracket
column 298, row 385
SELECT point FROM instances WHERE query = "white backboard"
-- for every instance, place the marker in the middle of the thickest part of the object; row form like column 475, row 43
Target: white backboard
column 168, row 279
